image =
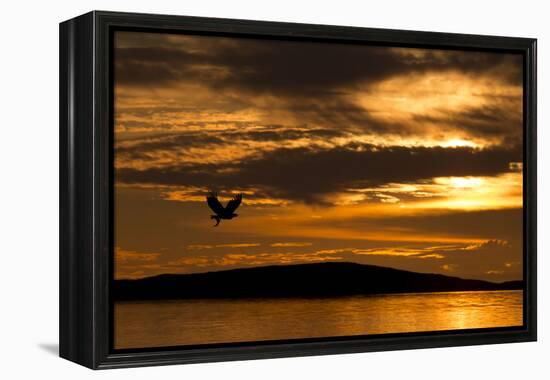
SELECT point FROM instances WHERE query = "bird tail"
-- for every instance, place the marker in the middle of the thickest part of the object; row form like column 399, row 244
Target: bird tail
column 218, row 219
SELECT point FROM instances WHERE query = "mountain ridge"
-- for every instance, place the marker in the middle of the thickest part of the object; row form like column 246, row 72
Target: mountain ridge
column 298, row 280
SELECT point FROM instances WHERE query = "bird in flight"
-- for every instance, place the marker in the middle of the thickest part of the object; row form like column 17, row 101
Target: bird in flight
column 227, row 212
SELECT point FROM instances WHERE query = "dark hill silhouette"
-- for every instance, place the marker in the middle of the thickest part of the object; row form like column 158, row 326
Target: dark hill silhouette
column 301, row 280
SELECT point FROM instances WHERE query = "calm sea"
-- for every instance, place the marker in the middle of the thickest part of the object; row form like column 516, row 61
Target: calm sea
column 184, row 322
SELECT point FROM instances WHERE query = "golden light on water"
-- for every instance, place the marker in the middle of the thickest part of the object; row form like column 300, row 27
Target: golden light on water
column 156, row 324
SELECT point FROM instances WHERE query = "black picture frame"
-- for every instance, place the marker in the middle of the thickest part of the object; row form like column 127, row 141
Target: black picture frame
column 86, row 189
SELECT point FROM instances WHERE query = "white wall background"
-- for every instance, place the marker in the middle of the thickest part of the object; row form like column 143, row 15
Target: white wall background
column 29, row 187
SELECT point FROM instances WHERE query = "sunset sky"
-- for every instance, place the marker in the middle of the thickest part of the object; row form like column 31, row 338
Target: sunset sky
column 399, row 157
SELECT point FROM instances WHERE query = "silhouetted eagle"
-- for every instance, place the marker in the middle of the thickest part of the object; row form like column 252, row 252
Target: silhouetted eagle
column 221, row 212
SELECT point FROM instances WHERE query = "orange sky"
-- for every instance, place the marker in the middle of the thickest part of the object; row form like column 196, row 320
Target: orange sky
column 409, row 158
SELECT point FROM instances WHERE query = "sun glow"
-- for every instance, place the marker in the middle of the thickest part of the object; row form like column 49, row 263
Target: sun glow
column 456, row 143
column 460, row 182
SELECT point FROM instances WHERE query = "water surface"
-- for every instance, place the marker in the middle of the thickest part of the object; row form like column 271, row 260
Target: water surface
column 187, row 322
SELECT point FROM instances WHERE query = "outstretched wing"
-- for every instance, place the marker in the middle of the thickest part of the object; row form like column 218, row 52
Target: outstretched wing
column 233, row 204
column 214, row 203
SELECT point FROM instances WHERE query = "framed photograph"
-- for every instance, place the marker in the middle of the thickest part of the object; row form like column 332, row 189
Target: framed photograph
column 237, row 189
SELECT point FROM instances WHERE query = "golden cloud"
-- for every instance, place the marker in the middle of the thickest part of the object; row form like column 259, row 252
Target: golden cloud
column 291, row 244
column 124, row 256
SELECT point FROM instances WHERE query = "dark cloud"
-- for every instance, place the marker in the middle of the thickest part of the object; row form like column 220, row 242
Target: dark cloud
column 291, row 68
column 304, row 174
column 486, row 121
column 282, row 134
column 506, row 68
column 344, row 115
column 143, row 147
column 311, row 80
column 155, row 65
column 258, row 66
column 169, row 142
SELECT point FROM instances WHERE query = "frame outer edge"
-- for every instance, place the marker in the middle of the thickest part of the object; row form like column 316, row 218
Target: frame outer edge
column 531, row 186
column 65, row 325
column 76, row 275
column 103, row 168
column 85, row 157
